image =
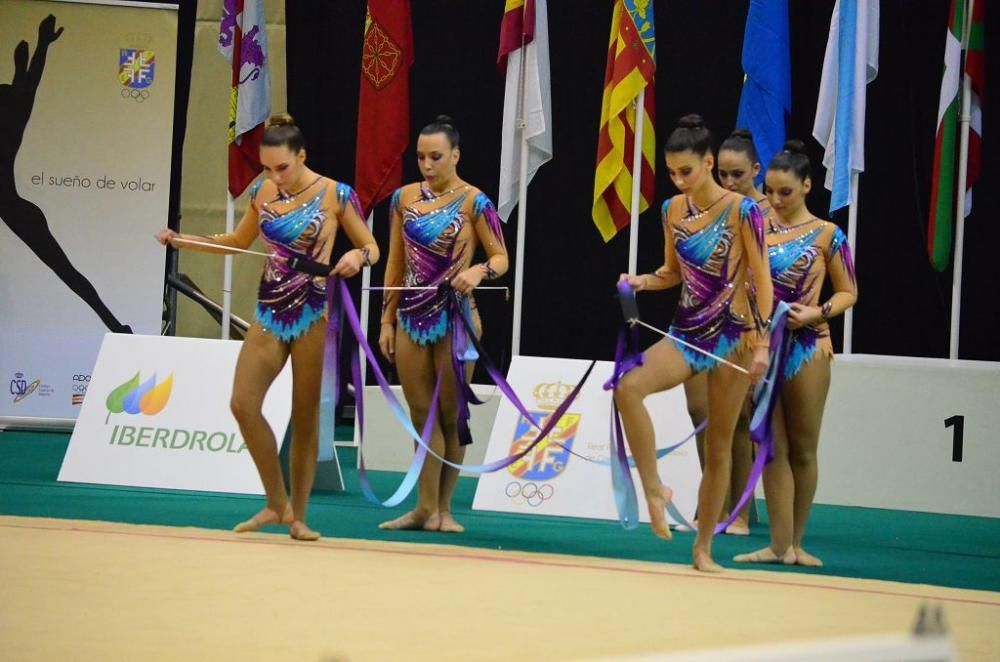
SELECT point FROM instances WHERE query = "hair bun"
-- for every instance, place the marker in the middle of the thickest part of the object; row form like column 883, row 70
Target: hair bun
column 691, row 121
column 443, row 119
column 795, row 147
column 281, row 119
column 745, row 134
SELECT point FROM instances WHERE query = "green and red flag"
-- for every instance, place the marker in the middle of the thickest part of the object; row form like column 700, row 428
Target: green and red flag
column 941, row 222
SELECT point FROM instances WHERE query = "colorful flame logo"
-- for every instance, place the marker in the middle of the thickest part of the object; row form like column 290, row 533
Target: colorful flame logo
column 147, row 397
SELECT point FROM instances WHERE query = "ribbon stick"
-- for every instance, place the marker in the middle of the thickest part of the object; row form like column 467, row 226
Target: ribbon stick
column 630, row 309
column 418, row 288
column 674, row 338
column 228, row 249
column 296, row 262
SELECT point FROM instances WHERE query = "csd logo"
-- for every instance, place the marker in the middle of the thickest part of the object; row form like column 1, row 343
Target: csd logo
column 20, row 388
column 19, row 385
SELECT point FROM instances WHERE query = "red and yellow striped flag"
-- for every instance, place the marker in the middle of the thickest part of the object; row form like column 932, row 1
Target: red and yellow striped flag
column 631, row 68
column 518, row 25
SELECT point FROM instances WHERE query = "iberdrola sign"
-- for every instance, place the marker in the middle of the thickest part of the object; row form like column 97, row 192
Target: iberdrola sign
column 149, row 398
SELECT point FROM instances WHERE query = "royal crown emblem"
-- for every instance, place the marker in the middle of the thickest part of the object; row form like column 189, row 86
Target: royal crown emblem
column 550, row 395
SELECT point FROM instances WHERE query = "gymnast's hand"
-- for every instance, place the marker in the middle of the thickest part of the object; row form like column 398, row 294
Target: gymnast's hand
column 800, row 316
column 468, row 280
column 387, row 341
column 637, row 283
column 350, row 264
column 758, row 364
column 166, row 237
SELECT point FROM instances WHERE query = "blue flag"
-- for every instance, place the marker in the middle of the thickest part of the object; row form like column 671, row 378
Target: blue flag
column 766, row 100
column 851, row 62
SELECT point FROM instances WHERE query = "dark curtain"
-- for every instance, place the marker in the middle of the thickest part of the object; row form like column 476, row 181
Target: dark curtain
column 569, row 307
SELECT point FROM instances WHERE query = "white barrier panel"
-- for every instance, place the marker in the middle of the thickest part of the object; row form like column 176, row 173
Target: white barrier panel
column 158, row 415
column 82, row 194
column 912, row 434
column 551, row 481
column 878, row 648
column 898, row 433
column 389, row 448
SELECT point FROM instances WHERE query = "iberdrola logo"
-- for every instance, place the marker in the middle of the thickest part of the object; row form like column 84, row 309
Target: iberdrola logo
column 133, row 397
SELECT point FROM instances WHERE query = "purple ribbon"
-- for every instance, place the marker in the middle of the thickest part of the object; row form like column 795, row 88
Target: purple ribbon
column 343, row 305
column 764, row 400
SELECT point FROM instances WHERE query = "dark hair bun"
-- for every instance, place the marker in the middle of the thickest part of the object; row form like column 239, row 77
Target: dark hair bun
column 744, row 134
column 691, row 121
column 792, row 159
column 281, row 119
column 442, row 124
column 795, row 147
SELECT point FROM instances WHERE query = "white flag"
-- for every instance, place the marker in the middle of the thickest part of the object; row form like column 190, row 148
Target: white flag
column 537, row 112
column 851, row 62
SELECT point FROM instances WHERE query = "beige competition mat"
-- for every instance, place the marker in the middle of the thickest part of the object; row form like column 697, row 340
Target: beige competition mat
column 87, row 590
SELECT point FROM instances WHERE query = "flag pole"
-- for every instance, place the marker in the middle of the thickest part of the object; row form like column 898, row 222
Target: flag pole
column 522, row 205
column 633, row 238
column 852, row 241
column 960, row 194
column 227, row 270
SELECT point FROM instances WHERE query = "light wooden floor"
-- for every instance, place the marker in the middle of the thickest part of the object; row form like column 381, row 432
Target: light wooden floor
column 100, row 591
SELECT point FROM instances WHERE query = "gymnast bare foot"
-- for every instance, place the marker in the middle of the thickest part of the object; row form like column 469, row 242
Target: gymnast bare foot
column 739, row 527
column 448, row 523
column 657, row 502
column 300, row 531
column 702, row 562
column 266, row 517
column 804, row 558
column 414, row 520
column 767, row 555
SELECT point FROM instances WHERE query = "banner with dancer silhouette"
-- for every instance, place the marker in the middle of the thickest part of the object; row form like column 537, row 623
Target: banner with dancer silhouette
column 86, row 125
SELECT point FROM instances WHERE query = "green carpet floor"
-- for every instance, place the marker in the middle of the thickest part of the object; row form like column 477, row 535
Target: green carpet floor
column 922, row 548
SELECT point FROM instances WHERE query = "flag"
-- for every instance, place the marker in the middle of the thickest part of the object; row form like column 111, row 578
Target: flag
column 942, row 207
column 384, row 101
column 766, row 99
column 631, row 68
column 975, row 71
column 851, row 62
column 243, row 42
column 946, row 153
column 525, row 22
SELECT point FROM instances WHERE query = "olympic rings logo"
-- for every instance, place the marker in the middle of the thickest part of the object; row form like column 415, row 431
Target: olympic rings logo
column 530, row 493
column 80, row 388
column 137, row 95
column 81, row 378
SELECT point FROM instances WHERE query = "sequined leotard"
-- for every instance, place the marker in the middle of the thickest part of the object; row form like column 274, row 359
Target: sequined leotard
column 289, row 302
column 431, row 241
column 726, row 294
column 800, row 257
